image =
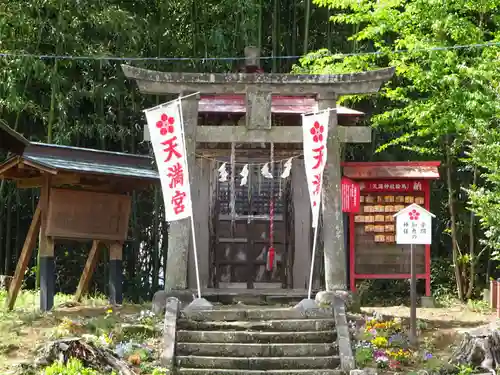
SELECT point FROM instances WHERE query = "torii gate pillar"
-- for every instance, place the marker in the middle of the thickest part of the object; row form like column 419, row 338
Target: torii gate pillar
column 259, row 89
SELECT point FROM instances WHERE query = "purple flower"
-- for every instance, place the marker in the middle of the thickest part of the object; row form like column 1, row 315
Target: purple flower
column 427, row 356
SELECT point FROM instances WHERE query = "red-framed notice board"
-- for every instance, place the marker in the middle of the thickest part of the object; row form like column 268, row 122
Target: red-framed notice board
column 385, row 189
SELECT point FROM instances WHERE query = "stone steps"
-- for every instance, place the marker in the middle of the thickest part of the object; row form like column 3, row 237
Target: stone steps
column 323, row 324
column 259, row 363
column 257, row 341
column 257, row 336
column 197, row 371
column 256, row 350
column 260, row 313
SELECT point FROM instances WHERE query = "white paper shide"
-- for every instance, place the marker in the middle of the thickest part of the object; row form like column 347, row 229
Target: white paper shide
column 166, row 130
column 315, row 131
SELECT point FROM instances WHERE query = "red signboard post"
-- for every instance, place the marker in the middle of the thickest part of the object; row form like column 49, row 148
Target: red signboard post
column 384, row 188
column 350, row 195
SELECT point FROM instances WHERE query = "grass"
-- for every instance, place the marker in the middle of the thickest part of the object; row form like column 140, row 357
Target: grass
column 24, row 328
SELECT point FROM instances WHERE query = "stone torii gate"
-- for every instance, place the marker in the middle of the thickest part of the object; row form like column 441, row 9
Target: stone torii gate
column 259, row 88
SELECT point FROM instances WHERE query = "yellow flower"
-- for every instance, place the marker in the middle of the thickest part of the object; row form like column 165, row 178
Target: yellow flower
column 380, row 342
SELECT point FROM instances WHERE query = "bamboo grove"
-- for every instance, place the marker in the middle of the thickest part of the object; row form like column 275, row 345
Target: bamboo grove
column 88, row 102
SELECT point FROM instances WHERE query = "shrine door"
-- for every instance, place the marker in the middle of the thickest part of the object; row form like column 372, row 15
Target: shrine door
column 241, row 256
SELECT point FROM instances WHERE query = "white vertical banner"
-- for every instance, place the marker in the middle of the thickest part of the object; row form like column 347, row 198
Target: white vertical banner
column 315, row 131
column 166, row 131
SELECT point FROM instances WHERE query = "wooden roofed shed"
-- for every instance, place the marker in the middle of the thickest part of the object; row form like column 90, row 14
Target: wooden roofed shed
column 85, row 195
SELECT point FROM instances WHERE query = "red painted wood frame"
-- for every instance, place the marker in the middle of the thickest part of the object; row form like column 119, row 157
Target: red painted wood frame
column 352, row 251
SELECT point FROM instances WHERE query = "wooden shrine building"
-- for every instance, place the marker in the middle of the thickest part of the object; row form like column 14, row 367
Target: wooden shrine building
column 256, row 117
column 84, row 195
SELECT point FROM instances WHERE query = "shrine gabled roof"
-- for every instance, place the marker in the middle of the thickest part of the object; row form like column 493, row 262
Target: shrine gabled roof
column 54, row 158
column 280, row 104
column 426, row 170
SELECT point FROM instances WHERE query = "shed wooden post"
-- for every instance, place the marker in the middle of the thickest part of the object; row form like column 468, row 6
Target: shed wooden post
column 87, row 271
column 46, row 248
column 115, row 273
column 24, row 258
column 333, row 229
column 179, row 235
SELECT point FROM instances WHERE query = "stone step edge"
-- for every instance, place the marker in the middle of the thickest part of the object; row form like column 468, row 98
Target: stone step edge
column 265, row 333
column 259, row 308
column 250, row 349
column 254, row 343
column 215, row 371
column 295, row 358
column 295, row 320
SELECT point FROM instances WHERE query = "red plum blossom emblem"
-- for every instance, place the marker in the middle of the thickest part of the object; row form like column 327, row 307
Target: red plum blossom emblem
column 165, row 124
column 414, row 214
column 317, row 132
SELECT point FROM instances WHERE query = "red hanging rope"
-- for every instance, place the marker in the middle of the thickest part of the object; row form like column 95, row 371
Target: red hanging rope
column 271, row 253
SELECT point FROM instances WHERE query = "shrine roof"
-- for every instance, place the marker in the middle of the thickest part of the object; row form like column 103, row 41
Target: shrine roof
column 54, row 158
column 280, row 104
column 392, row 170
column 11, row 140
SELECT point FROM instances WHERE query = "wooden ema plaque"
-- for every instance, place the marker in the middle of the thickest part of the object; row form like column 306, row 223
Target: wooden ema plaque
column 374, row 252
column 86, row 215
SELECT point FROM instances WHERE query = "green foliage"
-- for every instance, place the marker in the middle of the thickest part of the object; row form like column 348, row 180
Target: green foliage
column 89, row 103
column 160, row 371
column 363, row 356
column 442, row 104
column 72, row 367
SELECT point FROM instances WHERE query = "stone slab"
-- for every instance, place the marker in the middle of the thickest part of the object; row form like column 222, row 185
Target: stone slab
column 256, row 337
column 258, row 363
column 257, row 314
column 161, row 296
column 251, row 325
column 307, row 305
column 198, row 304
column 197, row 371
column 343, row 335
column 167, row 353
column 427, row 302
column 366, row 371
column 256, row 350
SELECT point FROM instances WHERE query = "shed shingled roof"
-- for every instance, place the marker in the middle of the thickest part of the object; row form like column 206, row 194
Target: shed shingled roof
column 89, row 161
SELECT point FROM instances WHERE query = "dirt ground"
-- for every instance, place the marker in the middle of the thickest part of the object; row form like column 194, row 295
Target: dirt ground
column 20, row 338
column 449, row 317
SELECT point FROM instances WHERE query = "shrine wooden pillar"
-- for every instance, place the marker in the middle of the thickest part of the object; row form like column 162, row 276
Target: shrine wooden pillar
column 115, row 273
column 333, row 227
column 179, row 234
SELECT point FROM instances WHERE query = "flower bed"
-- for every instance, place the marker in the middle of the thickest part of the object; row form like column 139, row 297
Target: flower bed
column 384, row 344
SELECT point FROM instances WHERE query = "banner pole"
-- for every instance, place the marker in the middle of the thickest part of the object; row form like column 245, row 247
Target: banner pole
column 195, row 251
column 313, row 256
column 193, row 234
